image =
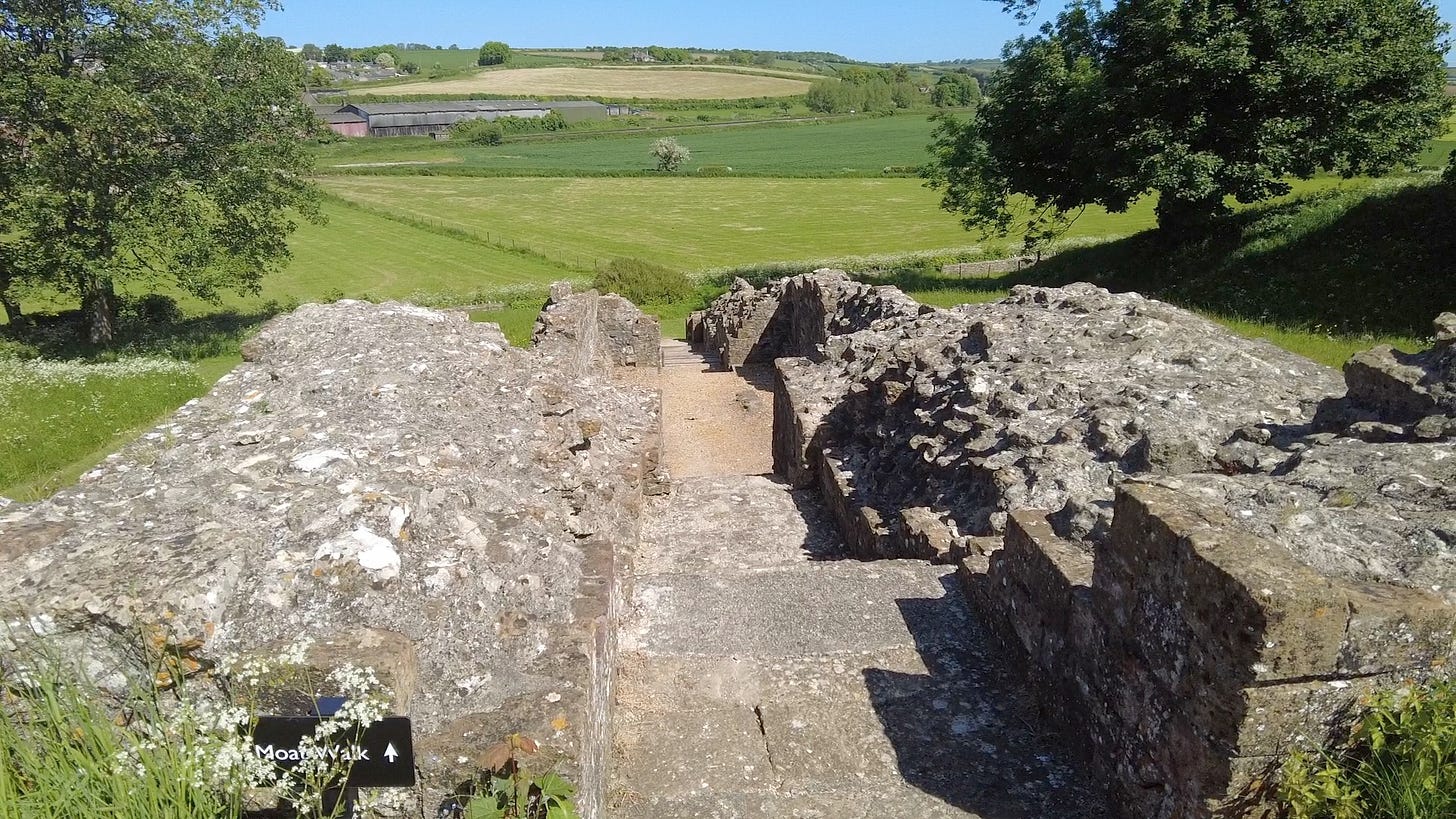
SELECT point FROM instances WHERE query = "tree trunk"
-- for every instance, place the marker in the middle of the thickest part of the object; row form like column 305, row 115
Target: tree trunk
column 98, row 306
column 12, row 307
column 1179, row 216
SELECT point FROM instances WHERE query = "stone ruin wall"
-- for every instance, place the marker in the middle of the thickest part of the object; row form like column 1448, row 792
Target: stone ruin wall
column 399, row 485
column 1201, row 550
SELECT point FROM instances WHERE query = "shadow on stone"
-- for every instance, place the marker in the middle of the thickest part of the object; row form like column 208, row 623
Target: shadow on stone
column 821, row 541
column 965, row 732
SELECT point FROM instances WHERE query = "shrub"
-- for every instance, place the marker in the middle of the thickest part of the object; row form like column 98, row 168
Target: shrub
column 1399, row 762
column 643, row 282
column 154, row 309
column 478, row 132
column 714, row 170
column 670, row 154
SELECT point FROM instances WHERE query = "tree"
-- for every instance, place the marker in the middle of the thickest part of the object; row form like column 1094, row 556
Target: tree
column 309, row 51
column 478, row 132
column 384, row 59
column 958, row 89
column 906, row 95
column 410, row 67
column 319, row 77
column 825, row 96
column 151, row 141
column 1195, row 101
column 494, row 52
column 335, row 53
column 670, row 154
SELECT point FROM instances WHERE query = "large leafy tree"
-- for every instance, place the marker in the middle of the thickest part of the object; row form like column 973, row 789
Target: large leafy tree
column 1196, row 101
column 493, row 52
column 153, row 140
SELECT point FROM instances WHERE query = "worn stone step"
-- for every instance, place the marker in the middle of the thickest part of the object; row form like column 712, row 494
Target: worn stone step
column 762, row 674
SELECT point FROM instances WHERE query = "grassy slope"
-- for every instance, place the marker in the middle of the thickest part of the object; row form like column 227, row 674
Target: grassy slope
column 1379, row 261
column 57, row 429
column 360, row 253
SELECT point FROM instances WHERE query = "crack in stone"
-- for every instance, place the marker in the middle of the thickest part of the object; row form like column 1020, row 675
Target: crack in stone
column 767, row 749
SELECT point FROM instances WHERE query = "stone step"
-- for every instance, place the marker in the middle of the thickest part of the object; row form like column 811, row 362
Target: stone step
column 762, row 674
column 677, row 348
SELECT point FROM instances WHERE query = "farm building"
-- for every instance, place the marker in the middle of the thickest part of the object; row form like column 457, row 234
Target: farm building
column 578, row 110
column 344, row 123
column 422, row 118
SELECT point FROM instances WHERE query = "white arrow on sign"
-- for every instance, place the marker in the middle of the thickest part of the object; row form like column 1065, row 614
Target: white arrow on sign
column 390, row 753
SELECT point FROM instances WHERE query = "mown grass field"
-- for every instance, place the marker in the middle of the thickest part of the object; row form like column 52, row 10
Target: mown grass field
column 699, row 223
column 425, row 58
column 1438, row 153
column 851, row 147
column 686, row 223
column 619, row 83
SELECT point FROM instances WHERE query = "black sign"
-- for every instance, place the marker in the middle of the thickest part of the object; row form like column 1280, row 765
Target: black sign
column 381, row 756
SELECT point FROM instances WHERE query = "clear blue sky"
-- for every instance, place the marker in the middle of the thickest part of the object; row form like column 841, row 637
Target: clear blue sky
column 908, row 31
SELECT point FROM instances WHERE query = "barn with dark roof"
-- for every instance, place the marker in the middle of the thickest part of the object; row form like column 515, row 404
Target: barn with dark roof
column 423, row 118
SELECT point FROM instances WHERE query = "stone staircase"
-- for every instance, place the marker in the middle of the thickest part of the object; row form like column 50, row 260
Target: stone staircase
column 677, row 353
column 763, row 674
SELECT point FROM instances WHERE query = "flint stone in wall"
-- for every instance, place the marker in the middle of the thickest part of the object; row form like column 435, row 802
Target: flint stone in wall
column 396, row 483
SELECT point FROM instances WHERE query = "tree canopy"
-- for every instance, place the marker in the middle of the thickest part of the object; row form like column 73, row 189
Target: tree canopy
column 1195, row 101
column 150, row 140
column 494, row 52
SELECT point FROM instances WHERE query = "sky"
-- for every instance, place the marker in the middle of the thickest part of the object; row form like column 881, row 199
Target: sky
column 909, row 31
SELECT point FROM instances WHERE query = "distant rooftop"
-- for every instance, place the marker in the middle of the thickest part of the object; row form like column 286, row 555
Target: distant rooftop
column 446, row 106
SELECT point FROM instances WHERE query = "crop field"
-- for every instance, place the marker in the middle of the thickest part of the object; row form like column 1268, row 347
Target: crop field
column 617, row 83
column 862, row 147
column 688, row 223
column 562, row 53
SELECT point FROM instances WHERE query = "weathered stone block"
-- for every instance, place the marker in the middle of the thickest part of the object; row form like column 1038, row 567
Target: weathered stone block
column 865, row 533
column 1393, row 629
column 1204, row 601
column 1051, row 569
column 796, row 423
column 924, row 534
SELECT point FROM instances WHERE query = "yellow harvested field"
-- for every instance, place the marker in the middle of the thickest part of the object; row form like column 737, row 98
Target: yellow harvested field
column 573, row 55
column 622, row 83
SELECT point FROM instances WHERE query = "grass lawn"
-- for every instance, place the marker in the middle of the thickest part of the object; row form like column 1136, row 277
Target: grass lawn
column 862, row 146
column 687, row 223
column 617, row 83
column 362, row 254
column 447, row 58
column 61, row 418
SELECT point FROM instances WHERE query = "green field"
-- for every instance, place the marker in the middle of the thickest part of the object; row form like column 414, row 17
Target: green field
column 700, row 223
column 691, row 224
column 365, row 254
column 852, row 147
column 447, row 58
